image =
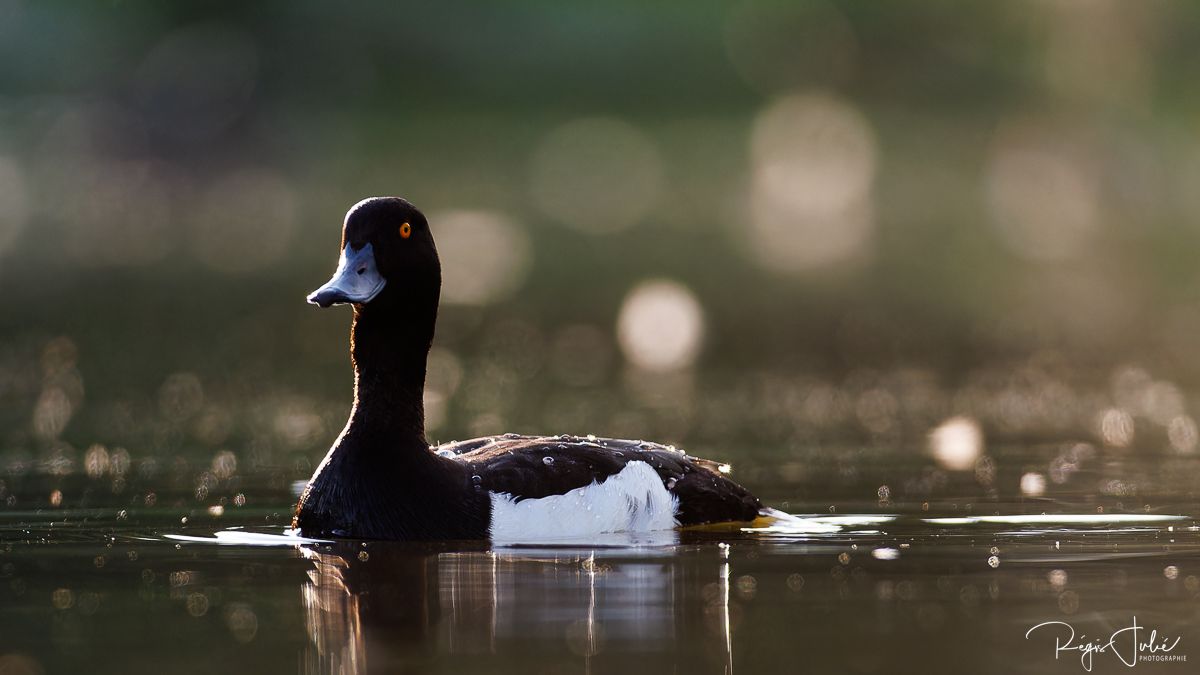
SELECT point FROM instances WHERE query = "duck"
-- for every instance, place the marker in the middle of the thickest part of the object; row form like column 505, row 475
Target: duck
column 382, row 479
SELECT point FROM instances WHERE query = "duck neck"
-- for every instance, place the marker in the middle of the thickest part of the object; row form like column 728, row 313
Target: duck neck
column 389, row 349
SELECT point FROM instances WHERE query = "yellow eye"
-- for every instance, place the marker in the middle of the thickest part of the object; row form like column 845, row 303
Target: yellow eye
column 405, row 231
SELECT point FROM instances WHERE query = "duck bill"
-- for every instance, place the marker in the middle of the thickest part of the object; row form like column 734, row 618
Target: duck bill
column 357, row 280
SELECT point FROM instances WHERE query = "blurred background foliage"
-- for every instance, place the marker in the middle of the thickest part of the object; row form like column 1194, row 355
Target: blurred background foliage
column 732, row 225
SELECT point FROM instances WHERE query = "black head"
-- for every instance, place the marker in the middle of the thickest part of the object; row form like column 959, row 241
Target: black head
column 387, row 256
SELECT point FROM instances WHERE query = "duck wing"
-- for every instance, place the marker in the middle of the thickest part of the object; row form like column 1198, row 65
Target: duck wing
column 533, row 467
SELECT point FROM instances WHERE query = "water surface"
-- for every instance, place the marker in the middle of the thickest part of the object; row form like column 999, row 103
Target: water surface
column 159, row 581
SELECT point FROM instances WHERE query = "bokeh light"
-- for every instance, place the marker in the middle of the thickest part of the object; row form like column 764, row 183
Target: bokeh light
column 1116, row 427
column 813, row 169
column 96, row 462
column 957, row 443
column 242, row 621
column 1044, row 201
column 485, row 256
column 1033, row 484
column 1182, row 433
column 297, row 423
column 660, row 326
column 52, row 413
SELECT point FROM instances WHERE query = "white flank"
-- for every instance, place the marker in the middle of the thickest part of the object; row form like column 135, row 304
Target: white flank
column 633, row 500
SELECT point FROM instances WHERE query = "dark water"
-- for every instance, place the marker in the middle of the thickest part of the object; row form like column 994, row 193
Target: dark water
column 155, row 581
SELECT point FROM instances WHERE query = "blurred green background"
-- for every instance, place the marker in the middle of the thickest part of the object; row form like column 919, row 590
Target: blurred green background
column 789, row 226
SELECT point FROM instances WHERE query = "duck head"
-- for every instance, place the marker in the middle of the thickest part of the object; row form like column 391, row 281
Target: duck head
column 387, row 256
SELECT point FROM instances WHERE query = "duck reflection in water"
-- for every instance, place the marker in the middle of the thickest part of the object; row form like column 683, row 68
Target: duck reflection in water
column 388, row 607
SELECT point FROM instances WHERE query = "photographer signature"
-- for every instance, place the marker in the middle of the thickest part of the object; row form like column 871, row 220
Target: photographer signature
column 1130, row 644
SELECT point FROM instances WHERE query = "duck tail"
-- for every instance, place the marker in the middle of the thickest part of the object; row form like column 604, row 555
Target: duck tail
column 769, row 517
column 786, row 523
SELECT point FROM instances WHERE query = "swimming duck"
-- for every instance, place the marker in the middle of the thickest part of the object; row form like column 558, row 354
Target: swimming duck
column 382, row 479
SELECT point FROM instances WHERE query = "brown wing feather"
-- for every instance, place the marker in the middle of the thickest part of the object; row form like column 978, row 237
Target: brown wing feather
column 532, row 467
